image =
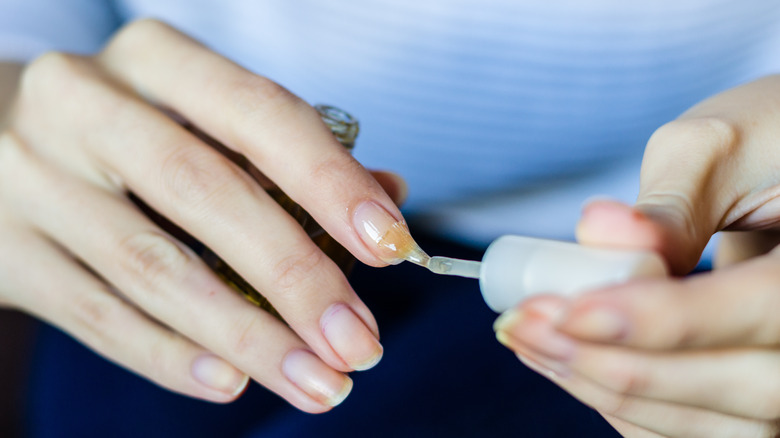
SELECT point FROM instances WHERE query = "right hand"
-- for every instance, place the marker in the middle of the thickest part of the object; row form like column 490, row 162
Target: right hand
column 85, row 131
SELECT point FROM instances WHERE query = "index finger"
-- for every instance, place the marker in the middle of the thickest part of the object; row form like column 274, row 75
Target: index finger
column 735, row 307
column 282, row 135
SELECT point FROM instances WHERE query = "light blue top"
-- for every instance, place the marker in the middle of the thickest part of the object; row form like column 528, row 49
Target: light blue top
column 503, row 115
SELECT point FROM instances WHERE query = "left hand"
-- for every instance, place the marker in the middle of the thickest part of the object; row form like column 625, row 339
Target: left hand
column 698, row 356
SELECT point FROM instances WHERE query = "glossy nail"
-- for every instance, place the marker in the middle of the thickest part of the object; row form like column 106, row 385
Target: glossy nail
column 321, row 382
column 387, row 237
column 596, row 324
column 350, row 338
column 219, row 375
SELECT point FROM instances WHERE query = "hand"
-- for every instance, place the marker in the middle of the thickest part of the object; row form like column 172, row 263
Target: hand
column 698, row 356
column 76, row 252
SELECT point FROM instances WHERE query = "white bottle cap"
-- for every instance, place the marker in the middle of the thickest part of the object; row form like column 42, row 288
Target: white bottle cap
column 516, row 267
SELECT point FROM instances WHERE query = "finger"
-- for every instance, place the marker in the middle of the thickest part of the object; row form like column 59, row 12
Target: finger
column 738, row 246
column 722, row 142
column 73, row 300
column 211, row 198
column 171, row 284
column 667, row 229
column 692, row 378
column 665, row 419
column 393, row 184
column 703, row 379
column 279, row 133
column 629, row 430
column 735, row 306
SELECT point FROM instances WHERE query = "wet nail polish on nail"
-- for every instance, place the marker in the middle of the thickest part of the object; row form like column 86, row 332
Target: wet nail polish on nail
column 387, row 237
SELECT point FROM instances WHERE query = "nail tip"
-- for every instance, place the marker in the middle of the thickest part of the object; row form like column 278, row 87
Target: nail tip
column 371, row 363
column 503, row 338
column 342, row 395
column 241, row 386
column 510, row 317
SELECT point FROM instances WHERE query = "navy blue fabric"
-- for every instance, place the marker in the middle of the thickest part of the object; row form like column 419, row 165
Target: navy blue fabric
column 443, row 374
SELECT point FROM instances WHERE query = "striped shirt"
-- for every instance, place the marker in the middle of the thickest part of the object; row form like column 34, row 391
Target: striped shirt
column 501, row 114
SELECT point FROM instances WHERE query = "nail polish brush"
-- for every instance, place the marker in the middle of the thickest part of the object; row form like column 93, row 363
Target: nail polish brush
column 516, row 267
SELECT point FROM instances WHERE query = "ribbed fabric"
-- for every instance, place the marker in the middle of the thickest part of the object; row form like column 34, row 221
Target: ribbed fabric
column 470, row 98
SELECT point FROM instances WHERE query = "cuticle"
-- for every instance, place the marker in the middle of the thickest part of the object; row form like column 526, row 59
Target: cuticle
column 352, row 209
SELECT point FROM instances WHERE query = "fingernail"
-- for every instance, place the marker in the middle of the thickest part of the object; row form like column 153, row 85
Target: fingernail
column 596, row 324
column 553, row 345
column 219, row 375
column 387, row 237
column 321, row 382
column 507, row 320
column 506, row 340
column 541, row 336
column 349, row 336
column 550, row 369
column 551, row 307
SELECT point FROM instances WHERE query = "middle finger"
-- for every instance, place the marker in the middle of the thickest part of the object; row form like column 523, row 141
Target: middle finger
column 166, row 280
column 207, row 195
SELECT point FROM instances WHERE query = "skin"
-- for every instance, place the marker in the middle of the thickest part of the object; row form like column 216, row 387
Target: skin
column 83, row 131
column 681, row 357
column 677, row 357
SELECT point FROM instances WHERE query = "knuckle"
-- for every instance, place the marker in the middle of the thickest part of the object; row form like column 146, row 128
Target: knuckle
column 679, row 332
column 137, row 32
column 337, row 173
column 718, row 135
column 196, row 178
column 257, row 95
column 94, row 313
column 617, row 405
column 341, row 168
column 47, row 65
column 51, row 71
column 628, row 378
column 248, row 336
column 153, row 260
column 296, row 268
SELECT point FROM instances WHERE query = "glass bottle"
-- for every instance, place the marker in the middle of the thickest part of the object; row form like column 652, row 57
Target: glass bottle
column 345, row 128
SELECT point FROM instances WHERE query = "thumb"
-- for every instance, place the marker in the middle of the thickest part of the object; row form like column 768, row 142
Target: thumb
column 662, row 228
column 679, row 206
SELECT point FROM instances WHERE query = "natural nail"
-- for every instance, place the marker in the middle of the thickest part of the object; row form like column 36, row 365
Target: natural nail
column 321, row 382
column 507, row 320
column 596, row 324
column 387, row 237
column 550, row 369
column 539, row 334
column 219, row 375
column 349, row 336
column 506, row 339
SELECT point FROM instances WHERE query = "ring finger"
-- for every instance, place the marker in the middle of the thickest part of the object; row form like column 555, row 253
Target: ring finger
column 172, row 285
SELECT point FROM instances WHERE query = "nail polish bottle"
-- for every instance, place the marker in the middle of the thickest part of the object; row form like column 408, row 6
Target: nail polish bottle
column 345, row 128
